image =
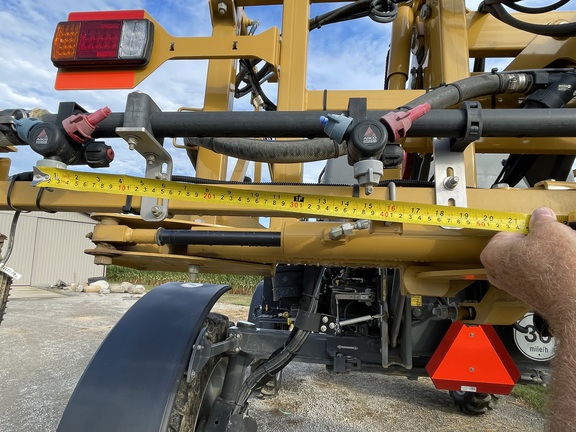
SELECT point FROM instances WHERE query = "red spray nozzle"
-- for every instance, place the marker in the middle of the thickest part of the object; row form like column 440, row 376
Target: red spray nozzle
column 398, row 122
column 81, row 126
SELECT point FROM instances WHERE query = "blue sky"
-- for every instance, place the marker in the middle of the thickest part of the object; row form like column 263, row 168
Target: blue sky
column 27, row 75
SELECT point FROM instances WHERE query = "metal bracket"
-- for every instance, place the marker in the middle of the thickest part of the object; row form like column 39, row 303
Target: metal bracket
column 473, row 132
column 450, row 174
column 137, row 131
column 203, row 351
column 315, row 322
column 158, row 166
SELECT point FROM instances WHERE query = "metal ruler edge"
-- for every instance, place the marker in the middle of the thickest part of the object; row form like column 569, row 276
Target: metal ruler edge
column 311, row 205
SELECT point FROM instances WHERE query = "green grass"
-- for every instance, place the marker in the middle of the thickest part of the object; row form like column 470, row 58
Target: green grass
column 236, row 299
column 533, row 394
column 241, row 284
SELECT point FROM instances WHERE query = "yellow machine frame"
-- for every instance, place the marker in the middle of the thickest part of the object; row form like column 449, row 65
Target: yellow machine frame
column 434, row 261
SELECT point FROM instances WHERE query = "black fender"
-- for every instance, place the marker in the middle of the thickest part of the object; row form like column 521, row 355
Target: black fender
column 131, row 382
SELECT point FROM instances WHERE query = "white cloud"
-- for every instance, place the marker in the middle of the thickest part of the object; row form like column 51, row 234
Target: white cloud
column 341, row 56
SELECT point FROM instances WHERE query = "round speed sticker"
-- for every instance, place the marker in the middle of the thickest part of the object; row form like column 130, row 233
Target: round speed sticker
column 531, row 343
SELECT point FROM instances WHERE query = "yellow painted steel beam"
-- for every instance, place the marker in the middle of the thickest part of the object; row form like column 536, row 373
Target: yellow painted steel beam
column 23, row 197
column 544, row 51
column 399, row 56
column 488, row 37
column 222, row 44
column 565, row 146
column 292, row 73
column 337, row 100
column 448, row 59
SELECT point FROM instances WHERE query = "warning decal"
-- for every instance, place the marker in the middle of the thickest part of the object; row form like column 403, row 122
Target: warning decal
column 369, row 137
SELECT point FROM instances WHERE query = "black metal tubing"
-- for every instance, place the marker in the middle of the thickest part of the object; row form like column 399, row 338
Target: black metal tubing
column 219, row 238
column 297, row 124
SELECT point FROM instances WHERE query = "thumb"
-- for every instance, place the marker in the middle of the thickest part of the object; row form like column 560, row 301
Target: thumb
column 542, row 215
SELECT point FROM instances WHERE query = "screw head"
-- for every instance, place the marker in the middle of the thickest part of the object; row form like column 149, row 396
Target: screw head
column 323, row 328
column 157, row 211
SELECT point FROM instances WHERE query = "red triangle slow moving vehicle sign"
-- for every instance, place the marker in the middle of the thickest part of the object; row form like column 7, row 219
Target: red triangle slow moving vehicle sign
column 472, row 358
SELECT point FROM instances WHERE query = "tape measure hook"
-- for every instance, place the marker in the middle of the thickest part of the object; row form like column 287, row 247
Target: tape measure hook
column 39, row 177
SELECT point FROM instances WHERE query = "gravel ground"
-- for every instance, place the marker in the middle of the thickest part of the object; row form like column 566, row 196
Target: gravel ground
column 47, row 340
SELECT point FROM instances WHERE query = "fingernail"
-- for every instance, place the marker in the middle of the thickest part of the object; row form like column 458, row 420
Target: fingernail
column 543, row 212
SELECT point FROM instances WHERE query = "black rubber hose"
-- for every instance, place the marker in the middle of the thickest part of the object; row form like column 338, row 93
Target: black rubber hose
column 559, row 30
column 468, row 88
column 272, row 151
column 408, row 183
column 255, row 83
column 275, row 364
column 217, row 238
column 536, row 10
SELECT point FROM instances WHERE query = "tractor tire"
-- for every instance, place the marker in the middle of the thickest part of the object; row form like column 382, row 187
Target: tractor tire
column 5, row 284
column 194, row 400
column 474, row 403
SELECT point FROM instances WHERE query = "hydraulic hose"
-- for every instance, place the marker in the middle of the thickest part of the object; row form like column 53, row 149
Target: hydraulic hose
column 536, row 10
column 272, row 151
column 275, row 364
column 556, row 30
column 468, row 88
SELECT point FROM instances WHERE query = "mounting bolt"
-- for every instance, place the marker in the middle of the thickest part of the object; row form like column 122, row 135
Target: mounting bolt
column 368, row 190
column 150, row 158
column 193, row 269
column 157, row 211
column 451, row 182
column 331, row 326
column 324, row 319
column 222, row 8
column 323, row 328
column 132, row 142
column 471, row 369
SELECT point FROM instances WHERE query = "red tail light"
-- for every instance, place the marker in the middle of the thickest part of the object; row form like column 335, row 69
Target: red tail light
column 102, row 43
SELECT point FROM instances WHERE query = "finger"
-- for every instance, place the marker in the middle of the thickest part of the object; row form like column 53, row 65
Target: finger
column 499, row 245
column 541, row 216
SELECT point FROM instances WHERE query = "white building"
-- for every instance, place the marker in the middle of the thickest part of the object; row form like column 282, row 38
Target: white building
column 50, row 247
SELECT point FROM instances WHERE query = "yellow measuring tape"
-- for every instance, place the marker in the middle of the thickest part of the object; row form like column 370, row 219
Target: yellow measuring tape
column 291, row 202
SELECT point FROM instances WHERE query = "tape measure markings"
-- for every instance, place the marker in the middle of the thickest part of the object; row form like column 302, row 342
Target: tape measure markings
column 300, row 203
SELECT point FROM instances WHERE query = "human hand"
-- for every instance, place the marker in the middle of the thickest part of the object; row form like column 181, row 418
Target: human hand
column 539, row 268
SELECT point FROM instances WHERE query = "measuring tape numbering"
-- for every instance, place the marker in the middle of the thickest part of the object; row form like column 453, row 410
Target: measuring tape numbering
column 301, row 203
